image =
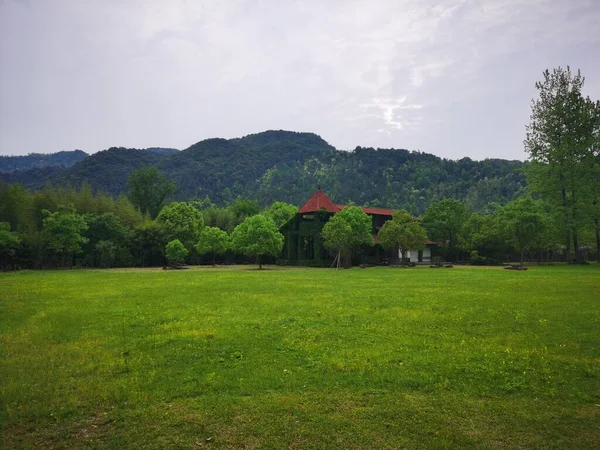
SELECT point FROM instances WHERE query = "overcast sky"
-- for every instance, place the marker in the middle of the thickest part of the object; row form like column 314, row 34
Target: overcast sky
column 453, row 77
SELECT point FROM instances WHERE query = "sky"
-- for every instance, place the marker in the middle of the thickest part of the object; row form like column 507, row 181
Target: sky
column 454, row 78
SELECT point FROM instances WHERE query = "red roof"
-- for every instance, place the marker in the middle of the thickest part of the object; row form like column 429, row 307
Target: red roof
column 377, row 211
column 318, row 201
column 372, row 210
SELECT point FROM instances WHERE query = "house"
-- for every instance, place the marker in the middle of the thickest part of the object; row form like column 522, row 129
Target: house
column 303, row 245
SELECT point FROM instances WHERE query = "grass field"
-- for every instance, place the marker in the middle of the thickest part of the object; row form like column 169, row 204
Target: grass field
column 301, row 358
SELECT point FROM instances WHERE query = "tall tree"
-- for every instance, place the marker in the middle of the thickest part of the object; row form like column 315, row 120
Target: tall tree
column 402, row 233
column 523, row 222
column 594, row 158
column 257, row 236
column 481, row 233
column 212, row 240
column 558, row 140
column 181, row 221
column 107, row 229
column 9, row 241
column 62, row 231
column 444, row 221
column 148, row 188
column 147, row 244
column 346, row 231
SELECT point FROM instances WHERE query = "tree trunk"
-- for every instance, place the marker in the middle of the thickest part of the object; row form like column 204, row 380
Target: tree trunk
column 578, row 258
column 523, row 256
column 567, row 226
column 597, row 225
column 259, row 263
column 214, row 260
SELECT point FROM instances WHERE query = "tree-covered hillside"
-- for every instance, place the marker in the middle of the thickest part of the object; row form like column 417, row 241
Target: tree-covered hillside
column 288, row 166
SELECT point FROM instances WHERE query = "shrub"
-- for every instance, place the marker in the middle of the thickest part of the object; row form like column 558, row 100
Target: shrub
column 176, row 252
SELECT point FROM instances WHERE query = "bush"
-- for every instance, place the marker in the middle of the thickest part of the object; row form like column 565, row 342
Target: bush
column 176, row 252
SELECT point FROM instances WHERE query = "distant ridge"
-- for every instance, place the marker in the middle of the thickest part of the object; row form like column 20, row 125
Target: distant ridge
column 162, row 151
column 40, row 160
column 280, row 165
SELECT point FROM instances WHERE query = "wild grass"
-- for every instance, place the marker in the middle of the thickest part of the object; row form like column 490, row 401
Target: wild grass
column 301, row 358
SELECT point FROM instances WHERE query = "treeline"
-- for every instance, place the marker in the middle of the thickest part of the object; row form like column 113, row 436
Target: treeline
column 65, row 227
column 525, row 229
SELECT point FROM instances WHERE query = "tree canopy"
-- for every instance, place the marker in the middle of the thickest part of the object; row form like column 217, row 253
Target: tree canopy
column 181, row 221
column 148, row 188
column 175, row 252
column 346, row 231
column 257, row 236
column 444, row 220
column 402, row 233
column 281, row 212
column 63, row 231
column 212, row 240
column 9, row 242
column 523, row 222
column 560, row 141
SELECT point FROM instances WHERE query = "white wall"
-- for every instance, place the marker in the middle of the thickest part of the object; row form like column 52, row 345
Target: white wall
column 414, row 255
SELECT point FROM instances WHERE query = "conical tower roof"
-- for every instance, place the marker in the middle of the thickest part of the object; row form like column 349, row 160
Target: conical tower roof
column 318, row 201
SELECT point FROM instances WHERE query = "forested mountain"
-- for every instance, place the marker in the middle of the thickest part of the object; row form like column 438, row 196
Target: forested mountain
column 161, row 150
column 288, row 166
column 38, row 160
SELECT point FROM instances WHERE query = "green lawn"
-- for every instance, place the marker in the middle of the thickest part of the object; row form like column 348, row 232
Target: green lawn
column 301, row 358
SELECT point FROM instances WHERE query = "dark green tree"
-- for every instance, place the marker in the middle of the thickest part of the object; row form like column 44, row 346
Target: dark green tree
column 482, row 233
column 214, row 241
column 522, row 222
column 147, row 244
column 559, row 137
column 106, row 228
column 9, row 242
column 148, row 188
column 347, row 231
column 443, row 221
column 105, row 252
column 244, row 207
column 594, row 185
column 62, row 231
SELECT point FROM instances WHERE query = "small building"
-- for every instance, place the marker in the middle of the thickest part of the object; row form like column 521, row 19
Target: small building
column 303, row 244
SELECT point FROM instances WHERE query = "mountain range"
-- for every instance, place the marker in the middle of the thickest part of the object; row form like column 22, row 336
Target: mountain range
column 281, row 166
